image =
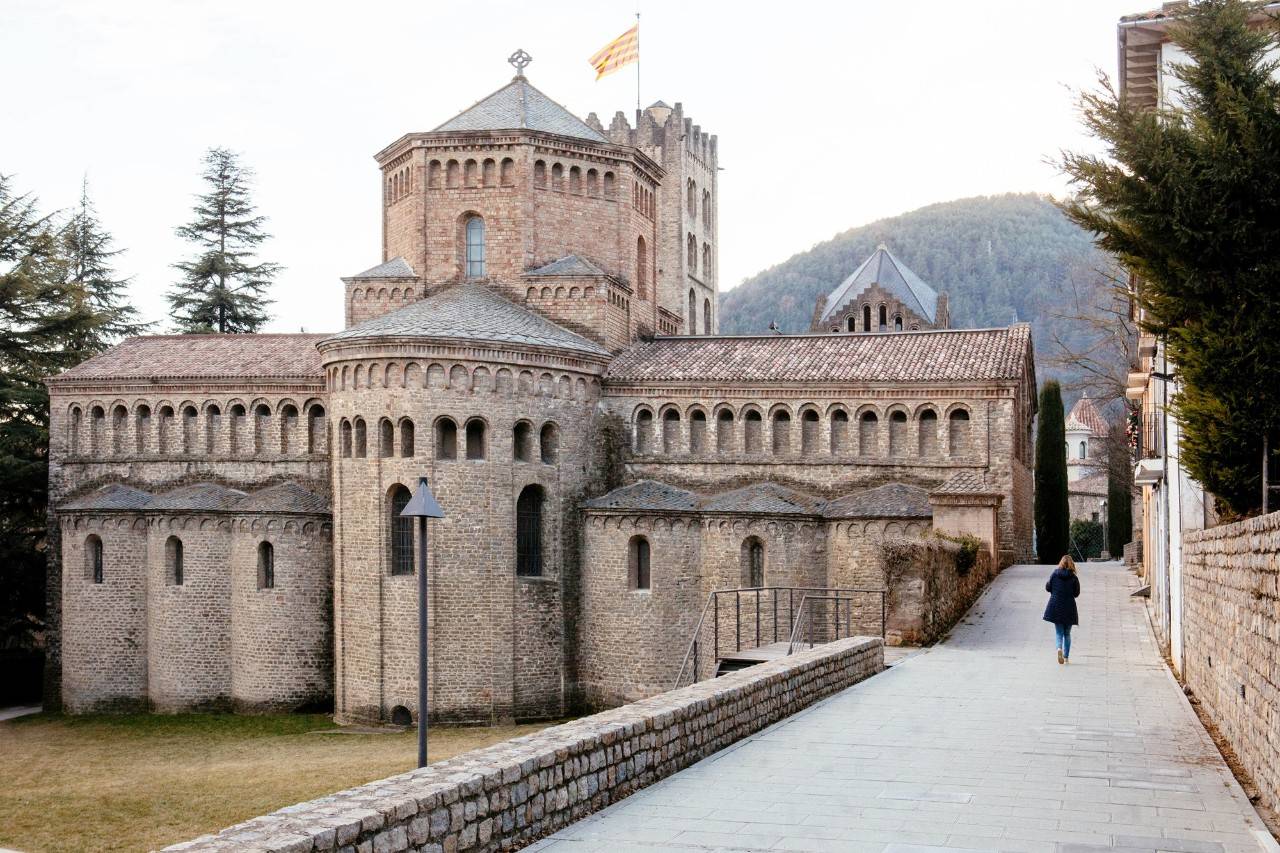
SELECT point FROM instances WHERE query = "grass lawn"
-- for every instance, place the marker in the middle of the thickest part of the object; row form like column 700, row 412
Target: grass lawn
column 140, row 782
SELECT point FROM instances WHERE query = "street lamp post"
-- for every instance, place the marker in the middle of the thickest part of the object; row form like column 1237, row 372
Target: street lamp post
column 1105, row 525
column 422, row 506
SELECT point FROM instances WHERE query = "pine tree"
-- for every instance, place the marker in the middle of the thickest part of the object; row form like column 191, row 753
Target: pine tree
column 87, row 249
column 1052, row 512
column 222, row 288
column 1189, row 199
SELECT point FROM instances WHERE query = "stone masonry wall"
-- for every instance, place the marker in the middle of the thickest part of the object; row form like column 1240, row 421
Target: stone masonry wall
column 927, row 593
column 1231, row 620
column 510, row 794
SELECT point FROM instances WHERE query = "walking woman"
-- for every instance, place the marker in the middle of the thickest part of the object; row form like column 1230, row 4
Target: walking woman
column 1063, row 588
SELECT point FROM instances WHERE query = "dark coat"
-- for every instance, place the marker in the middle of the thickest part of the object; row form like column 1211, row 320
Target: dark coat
column 1063, row 588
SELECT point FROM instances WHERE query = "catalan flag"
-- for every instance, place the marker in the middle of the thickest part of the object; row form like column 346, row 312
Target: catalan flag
column 623, row 50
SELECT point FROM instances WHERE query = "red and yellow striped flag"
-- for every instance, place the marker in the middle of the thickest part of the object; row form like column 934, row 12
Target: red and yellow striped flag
column 623, row 50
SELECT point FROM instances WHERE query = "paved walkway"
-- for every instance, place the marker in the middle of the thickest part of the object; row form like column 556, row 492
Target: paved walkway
column 981, row 743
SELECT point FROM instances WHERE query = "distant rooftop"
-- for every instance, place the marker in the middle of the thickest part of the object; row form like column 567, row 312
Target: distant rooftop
column 519, row 105
column 394, row 268
column 892, row 500
column 253, row 358
column 286, row 497
column 884, row 269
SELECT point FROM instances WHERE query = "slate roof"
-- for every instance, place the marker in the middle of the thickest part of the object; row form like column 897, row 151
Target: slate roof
column 961, row 355
column 198, row 357
column 884, row 269
column 645, row 495
column 892, row 500
column 568, row 265
column 395, row 268
column 1085, row 416
column 519, row 105
column 288, row 498
column 967, row 483
column 768, row 498
column 471, row 312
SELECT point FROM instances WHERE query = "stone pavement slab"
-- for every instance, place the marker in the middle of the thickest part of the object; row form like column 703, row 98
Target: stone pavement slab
column 983, row 742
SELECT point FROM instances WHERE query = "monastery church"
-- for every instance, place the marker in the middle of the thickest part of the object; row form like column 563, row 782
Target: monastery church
column 540, row 339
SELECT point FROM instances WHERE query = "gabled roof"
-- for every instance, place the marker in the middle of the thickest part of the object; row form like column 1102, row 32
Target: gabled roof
column 114, row 496
column 198, row 496
column 394, row 268
column 471, row 312
column 288, row 497
column 519, row 105
column 568, row 265
column 1084, row 416
column 254, row 358
column 952, row 355
column 884, row 269
column 892, row 500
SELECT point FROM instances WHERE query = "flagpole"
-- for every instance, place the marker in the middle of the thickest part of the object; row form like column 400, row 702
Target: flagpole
column 637, row 65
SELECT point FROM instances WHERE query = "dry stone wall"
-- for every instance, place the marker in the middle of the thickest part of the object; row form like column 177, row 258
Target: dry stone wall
column 1231, row 620
column 508, row 795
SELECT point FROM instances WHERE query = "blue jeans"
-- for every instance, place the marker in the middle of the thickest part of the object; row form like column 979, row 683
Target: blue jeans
column 1064, row 639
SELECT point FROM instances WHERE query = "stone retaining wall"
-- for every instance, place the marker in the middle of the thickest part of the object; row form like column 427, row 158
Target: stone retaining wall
column 510, row 794
column 927, row 592
column 1231, row 623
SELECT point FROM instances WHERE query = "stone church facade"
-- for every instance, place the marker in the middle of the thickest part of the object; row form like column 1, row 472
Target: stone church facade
column 539, row 340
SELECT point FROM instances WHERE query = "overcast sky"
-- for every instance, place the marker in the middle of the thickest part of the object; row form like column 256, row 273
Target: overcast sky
column 830, row 115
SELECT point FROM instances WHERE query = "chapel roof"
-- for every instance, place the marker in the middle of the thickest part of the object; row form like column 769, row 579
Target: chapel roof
column 765, row 498
column 884, row 269
column 645, row 495
column 892, row 500
column 961, row 355
column 195, row 357
column 1085, row 416
column 473, row 312
column 397, row 267
column 520, row 105
column 967, row 483
column 568, row 265
column 288, row 498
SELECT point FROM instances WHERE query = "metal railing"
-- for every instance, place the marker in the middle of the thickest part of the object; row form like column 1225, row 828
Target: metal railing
column 765, row 621
column 1151, row 438
column 806, row 618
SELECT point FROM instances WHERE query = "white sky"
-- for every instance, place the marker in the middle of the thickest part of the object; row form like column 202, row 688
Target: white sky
column 830, row 115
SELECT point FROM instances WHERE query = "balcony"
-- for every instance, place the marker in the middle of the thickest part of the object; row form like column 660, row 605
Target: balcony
column 1150, row 436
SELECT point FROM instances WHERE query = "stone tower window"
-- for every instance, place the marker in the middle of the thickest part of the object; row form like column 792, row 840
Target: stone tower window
column 173, row 560
column 609, row 182
column 671, row 432
column 97, row 427
column 529, row 532
column 781, row 432
column 693, row 312
column 706, row 209
column 470, row 173
column 164, row 429
column 724, row 432
column 261, row 429
column 706, row 261
column 549, row 443
column 593, row 183
column 638, row 563
column 489, row 174
column 644, row 431
column 361, row 439
column 866, row 318
column 884, row 318
column 266, row 566
column 141, row 427
column 190, row 425
column 315, row 429
column 453, row 174
column 386, row 439
column 73, row 431
column 642, row 268
column 809, row 432
column 475, row 439
column 897, row 433
column 119, row 420
column 575, row 180
column 706, row 316
column 446, row 439
column 849, row 324
column 958, row 424
column 401, row 529
column 344, row 430
column 93, row 559
column 540, row 174
column 839, row 431
column 406, row 439
column 433, row 175
column 691, row 201
column 289, row 429
column 752, row 562
column 897, row 323
column 212, row 429
column 928, row 433
column 691, row 254
column 521, row 438
column 1084, row 450
column 507, row 174
column 753, row 424
column 237, row 434
column 698, row 432
column 557, row 177
column 475, row 247
column 868, row 438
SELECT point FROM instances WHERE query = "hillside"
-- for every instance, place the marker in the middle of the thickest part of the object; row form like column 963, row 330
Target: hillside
column 999, row 258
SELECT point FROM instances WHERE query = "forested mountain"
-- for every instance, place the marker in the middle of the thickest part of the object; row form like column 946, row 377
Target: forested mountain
column 1000, row 259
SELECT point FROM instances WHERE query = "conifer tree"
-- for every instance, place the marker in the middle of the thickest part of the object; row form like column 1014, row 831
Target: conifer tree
column 1189, row 199
column 1052, row 512
column 1119, row 510
column 223, row 287
column 87, row 250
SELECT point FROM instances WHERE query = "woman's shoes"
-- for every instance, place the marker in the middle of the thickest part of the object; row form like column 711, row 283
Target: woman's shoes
column 1061, row 659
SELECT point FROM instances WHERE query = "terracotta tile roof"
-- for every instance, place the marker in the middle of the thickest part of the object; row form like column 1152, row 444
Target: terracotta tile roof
column 1084, row 416
column 953, row 355
column 892, row 500
column 196, row 357
column 288, row 498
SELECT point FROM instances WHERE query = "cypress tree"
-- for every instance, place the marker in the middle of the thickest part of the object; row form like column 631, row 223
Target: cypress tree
column 223, row 287
column 1052, row 513
column 1119, row 511
column 1189, row 199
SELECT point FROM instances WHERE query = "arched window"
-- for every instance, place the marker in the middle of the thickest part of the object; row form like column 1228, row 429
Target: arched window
column 212, row 429
column 753, row 425
column 897, row 324
column 638, row 563
column 521, row 439
column 868, row 434
column 164, row 429
column 809, row 432
column 93, row 559
column 549, row 443
column 866, row 318
column 361, row 439
column 884, row 318
column 288, row 429
column 406, row 439
column 706, row 261
column 1084, row 450
column 236, row 437
column 691, row 253
column 781, row 432
column 73, row 430
column 475, row 247
column 344, row 429
column 507, row 175
column 698, row 432
column 671, row 431
column 849, row 324
column 529, row 532
column 752, row 562
column 958, row 424
column 724, row 432
column 173, row 560
column 706, row 316
column 119, row 421
column 190, row 426
column 540, row 174
column 470, row 171
column 642, row 268
column 557, row 177
column 706, row 208
column 475, row 439
column 386, row 438
column 575, row 180
column 691, row 202
column 898, row 433
column 446, row 439
column 489, row 173
column 315, row 429
column 839, row 431
column 593, row 183
column 401, row 530
column 261, row 429
column 644, row 431
column 433, row 174
column 609, row 182
column 928, row 433
column 141, row 428
column 97, row 429
column 266, row 566
column 693, row 312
